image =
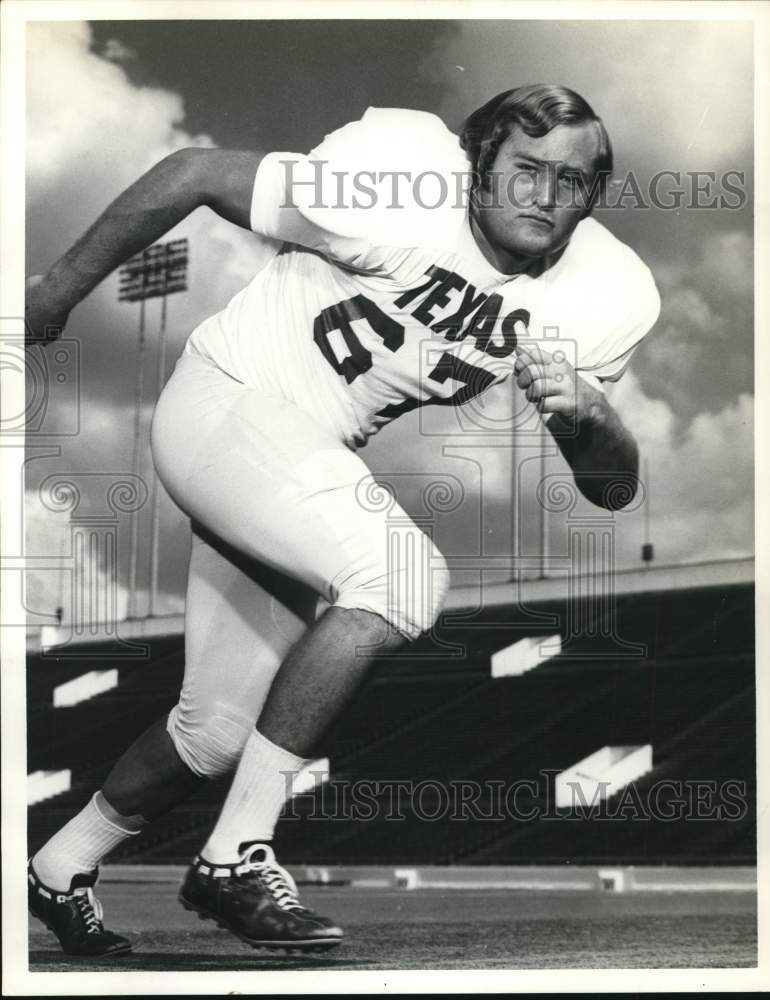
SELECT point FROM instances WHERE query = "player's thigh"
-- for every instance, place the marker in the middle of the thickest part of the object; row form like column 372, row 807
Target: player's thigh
column 261, row 475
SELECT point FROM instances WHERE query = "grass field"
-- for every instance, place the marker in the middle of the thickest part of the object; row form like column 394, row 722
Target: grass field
column 435, row 929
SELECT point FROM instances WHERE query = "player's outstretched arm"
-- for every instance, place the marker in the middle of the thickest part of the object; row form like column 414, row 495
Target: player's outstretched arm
column 166, row 194
column 599, row 448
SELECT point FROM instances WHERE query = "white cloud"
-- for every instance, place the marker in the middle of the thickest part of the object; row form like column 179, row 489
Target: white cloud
column 700, row 353
column 686, row 305
column 726, row 265
column 115, row 50
column 83, row 115
column 700, row 480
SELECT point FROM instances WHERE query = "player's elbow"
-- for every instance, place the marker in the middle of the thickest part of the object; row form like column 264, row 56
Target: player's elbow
column 177, row 181
column 222, row 179
column 187, row 168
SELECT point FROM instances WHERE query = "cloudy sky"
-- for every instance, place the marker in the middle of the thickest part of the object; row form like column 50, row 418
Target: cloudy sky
column 106, row 100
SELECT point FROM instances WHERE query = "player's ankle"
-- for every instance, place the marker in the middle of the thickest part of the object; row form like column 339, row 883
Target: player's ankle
column 55, row 872
column 229, row 852
column 81, row 844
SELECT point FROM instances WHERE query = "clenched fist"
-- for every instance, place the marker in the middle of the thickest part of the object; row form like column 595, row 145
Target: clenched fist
column 552, row 384
column 44, row 317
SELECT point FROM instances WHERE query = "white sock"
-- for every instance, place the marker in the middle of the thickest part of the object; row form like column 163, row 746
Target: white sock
column 82, row 843
column 261, row 785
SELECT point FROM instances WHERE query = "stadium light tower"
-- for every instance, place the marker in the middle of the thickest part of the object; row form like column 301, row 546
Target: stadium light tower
column 157, row 272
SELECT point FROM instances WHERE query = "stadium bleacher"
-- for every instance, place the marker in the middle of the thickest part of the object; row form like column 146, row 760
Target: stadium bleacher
column 436, row 715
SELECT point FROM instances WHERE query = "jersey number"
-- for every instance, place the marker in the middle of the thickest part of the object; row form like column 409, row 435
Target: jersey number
column 340, row 317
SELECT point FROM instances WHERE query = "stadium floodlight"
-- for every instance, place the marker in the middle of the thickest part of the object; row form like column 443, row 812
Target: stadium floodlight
column 157, row 272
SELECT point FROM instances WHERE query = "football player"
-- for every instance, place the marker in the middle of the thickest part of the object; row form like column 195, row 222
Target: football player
column 412, row 268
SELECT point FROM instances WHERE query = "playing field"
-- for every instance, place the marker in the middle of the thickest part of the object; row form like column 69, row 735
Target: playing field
column 436, row 929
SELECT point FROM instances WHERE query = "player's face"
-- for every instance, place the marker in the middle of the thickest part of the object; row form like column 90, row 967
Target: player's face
column 534, row 199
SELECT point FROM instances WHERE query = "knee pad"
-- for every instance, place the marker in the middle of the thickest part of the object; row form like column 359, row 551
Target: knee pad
column 210, row 744
column 409, row 593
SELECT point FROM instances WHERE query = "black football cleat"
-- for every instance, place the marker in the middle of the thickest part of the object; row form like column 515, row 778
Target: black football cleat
column 256, row 899
column 75, row 917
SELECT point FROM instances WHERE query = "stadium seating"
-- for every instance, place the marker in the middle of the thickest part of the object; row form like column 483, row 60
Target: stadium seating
column 435, row 715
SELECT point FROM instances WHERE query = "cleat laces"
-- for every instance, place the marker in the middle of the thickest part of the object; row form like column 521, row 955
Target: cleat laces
column 277, row 881
column 90, row 909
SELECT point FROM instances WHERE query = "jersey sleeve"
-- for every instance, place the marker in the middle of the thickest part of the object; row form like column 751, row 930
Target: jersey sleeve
column 289, row 191
column 623, row 331
column 608, row 373
column 604, row 303
column 390, row 178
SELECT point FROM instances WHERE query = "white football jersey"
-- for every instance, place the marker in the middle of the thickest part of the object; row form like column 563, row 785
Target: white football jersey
column 379, row 300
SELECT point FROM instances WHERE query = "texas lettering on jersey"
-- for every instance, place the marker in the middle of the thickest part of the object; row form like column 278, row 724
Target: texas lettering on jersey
column 446, row 304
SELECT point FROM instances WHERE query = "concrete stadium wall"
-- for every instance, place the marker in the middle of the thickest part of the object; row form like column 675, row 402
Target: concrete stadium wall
column 561, row 878
column 635, row 581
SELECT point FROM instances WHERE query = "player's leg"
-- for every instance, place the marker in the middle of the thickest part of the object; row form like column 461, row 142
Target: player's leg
column 310, row 690
column 276, row 486
column 315, row 682
column 236, row 879
column 148, row 779
column 241, row 622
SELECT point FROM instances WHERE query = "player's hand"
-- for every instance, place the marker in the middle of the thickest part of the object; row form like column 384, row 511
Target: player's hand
column 551, row 383
column 44, row 317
